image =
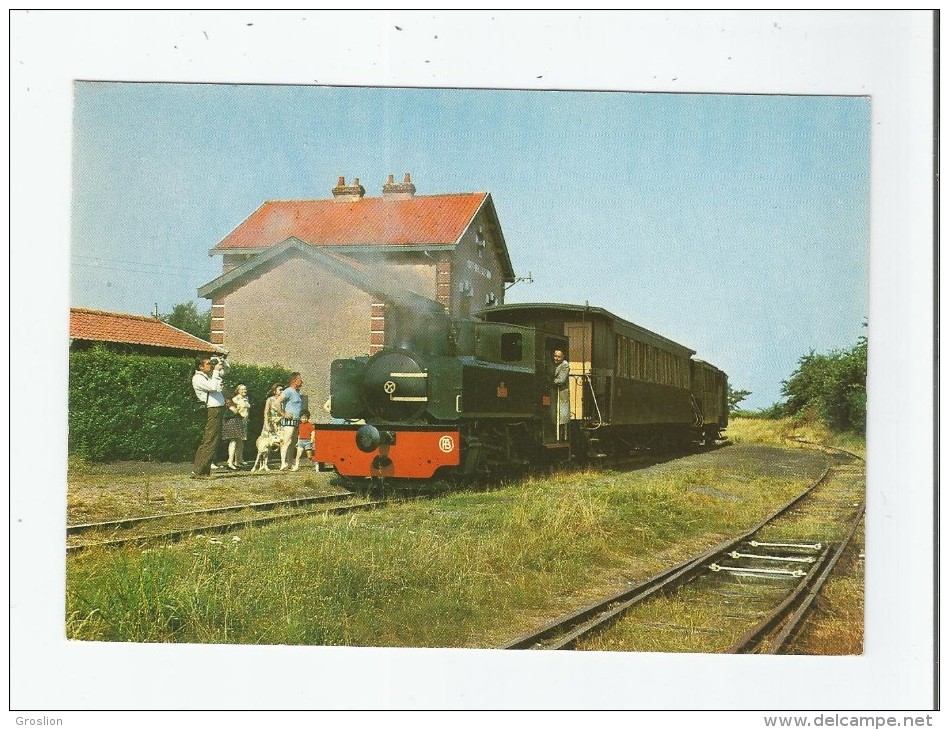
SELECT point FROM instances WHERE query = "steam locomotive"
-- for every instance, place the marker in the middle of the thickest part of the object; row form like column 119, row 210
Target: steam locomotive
column 473, row 397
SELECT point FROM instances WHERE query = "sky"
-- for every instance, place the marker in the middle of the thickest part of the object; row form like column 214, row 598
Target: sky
column 737, row 225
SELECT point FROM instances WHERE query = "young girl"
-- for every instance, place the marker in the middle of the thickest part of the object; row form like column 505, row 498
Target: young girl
column 235, row 427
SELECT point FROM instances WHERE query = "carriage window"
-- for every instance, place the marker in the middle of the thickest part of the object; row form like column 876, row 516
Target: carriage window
column 512, row 347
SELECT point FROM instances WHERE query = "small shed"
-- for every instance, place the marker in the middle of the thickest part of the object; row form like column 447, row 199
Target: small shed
column 132, row 333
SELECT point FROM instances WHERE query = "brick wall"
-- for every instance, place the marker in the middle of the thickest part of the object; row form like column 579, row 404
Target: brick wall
column 443, row 281
column 217, row 321
column 377, row 325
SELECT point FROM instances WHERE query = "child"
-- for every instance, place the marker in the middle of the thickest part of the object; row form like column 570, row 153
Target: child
column 304, row 440
column 235, row 427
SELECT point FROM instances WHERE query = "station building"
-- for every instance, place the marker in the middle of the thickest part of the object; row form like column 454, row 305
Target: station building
column 304, row 282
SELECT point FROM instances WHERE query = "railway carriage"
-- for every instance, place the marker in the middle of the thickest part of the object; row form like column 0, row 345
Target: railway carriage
column 474, row 396
column 710, row 395
column 627, row 384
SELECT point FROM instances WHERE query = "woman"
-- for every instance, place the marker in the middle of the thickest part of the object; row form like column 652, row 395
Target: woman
column 235, row 427
column 272, row 417
column 272, row 410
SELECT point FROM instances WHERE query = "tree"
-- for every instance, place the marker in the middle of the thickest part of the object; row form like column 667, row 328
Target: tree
column 833, row 385
column 185, row 316
column 735, row 397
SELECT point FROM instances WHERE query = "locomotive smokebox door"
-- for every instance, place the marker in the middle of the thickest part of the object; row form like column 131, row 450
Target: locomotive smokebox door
column 395, row 386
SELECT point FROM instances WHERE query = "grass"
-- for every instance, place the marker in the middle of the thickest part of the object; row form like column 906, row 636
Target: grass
column 123, row 490
column 838, row 625
column 681, row 622
column 783, row 432
column 693, row 620
column 468, row 569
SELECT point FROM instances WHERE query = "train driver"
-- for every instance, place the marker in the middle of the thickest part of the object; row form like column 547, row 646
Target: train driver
column 562, row 387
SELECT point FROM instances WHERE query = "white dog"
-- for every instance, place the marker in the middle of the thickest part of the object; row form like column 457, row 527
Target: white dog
column 265, row 442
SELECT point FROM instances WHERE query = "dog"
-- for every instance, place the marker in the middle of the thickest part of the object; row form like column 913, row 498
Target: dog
column 265, row 442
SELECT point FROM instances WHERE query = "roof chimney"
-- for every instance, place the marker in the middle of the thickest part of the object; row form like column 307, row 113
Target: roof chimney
column 344, row 193
column 398, row 191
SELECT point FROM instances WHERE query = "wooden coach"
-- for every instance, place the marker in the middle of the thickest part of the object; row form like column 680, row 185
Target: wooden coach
column 624, row 376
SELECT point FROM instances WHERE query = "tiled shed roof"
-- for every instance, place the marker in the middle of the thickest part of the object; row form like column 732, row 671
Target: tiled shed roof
column 420, row 220
column 98, row 326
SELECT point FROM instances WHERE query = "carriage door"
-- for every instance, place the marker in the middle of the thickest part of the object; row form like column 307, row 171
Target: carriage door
column 580, row 337
column 549, row 396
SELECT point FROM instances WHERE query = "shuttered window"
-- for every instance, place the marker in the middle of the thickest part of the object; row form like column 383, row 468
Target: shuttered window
column 639, row 361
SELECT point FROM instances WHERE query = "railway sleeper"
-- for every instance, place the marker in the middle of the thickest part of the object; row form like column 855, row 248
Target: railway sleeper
column 790, row 545
column 773, row 558
column 758, row 572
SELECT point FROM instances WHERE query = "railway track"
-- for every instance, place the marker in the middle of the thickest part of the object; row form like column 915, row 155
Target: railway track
column 117, row 525
column 156, row 528
column 749, row 594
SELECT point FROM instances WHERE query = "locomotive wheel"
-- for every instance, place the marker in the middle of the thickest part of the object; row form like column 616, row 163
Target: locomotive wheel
column 475, row 465
column 352, row 484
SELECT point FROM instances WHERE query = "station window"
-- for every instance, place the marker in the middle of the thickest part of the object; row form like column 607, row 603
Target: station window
column 512, row 346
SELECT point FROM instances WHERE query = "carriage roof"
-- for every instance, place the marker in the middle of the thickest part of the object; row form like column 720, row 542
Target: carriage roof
column 574, row 311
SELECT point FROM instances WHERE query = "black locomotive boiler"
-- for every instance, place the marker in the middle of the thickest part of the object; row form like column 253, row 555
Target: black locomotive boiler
column 474, row 396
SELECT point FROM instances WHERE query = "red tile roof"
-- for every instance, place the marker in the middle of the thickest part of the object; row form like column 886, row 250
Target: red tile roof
column 132, row 329
column 421, row 220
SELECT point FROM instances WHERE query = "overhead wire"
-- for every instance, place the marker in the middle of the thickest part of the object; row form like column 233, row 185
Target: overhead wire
column 88, row 261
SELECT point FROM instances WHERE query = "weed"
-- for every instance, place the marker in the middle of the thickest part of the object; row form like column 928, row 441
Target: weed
column 787, row 432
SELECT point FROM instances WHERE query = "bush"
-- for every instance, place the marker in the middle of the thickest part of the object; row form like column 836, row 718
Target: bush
column 142, row 407
column 832, row 385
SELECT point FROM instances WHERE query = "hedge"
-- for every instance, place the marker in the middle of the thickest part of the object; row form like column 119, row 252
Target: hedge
column 142, row 407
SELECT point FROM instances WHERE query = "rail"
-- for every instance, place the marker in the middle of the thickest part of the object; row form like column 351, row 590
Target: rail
column 180, row 534
column 790, row 614
column 807, row 574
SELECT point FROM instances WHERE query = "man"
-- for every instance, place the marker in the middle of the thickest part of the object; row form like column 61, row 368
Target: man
column 290, row 404
column 208, row 383
column 562, row 388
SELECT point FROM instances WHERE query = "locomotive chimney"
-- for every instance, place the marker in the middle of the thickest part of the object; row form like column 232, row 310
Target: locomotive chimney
column 398, row 191
column 344, row 193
